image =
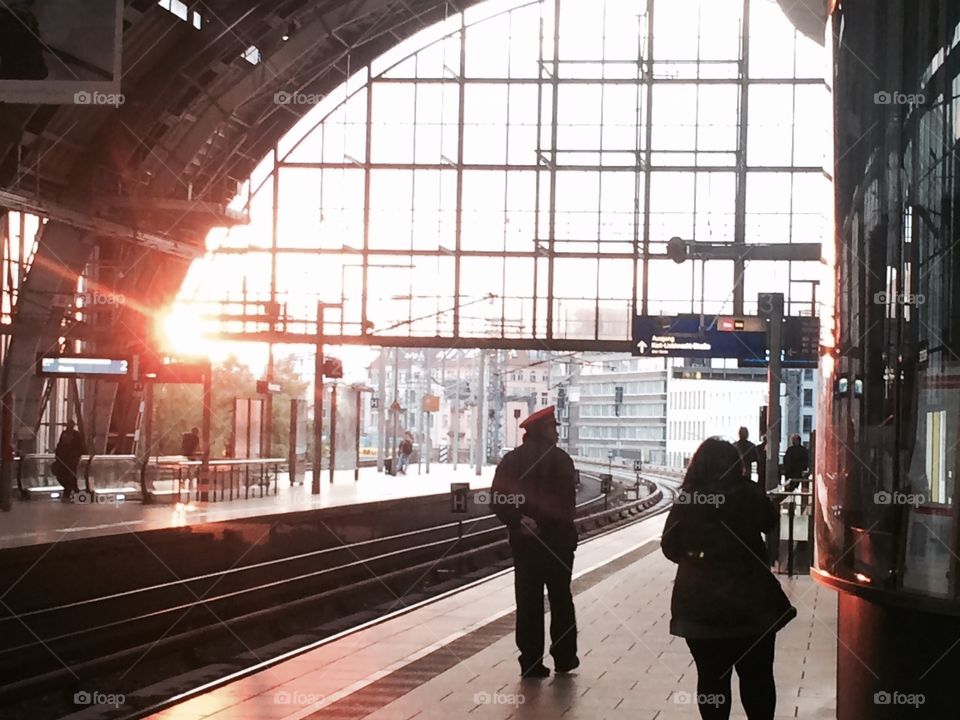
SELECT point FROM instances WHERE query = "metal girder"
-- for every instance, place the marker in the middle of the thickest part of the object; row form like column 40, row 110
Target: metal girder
column 182, row 206
column 462, row 342
column 283, row 64
column 100, row 226
column 754, row 251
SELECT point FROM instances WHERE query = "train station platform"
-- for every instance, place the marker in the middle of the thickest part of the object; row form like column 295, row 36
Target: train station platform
column 46, row 520
column 454, row 657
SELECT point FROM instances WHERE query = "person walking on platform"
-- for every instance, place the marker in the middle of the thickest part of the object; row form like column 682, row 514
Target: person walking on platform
column 726, row 603
column 404, row 451
column 534, row 495
column 66, row 460
column 748, row 452
column 796, row 461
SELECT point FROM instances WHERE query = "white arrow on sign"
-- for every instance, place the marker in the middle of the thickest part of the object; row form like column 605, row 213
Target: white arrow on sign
column 643, row 346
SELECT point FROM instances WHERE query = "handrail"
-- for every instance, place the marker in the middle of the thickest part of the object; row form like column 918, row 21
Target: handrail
column 231, row 461
column 792, row 499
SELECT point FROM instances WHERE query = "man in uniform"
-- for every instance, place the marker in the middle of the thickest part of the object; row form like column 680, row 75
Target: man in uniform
column 534, row 495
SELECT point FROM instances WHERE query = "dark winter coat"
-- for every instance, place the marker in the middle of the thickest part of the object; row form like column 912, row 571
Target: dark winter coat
column 795, row 460
column 724, row 587
column 67, row 456
column 538, row 480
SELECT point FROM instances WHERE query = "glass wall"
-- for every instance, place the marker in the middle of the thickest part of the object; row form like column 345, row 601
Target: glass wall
column 516, row 170
column 887, row 515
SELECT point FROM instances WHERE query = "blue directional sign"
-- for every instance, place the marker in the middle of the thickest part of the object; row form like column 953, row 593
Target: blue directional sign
column 693, row 336
column 800, row 345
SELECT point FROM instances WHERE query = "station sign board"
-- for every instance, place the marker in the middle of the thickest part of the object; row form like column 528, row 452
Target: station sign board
column 177, row 372
column 458, row 497
column 265, row 387
column 800, row 345
column 695, row 336
column 86, row 366
column 606, row 483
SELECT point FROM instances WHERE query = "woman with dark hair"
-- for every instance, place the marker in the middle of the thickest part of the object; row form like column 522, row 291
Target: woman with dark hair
column 726, row 603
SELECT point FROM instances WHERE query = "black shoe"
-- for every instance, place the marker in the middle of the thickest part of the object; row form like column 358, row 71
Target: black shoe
column 536, row 671
column 565, row 667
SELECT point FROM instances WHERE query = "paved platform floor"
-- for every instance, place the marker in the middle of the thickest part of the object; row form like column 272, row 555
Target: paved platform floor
column 455, row 657
column 44, row 520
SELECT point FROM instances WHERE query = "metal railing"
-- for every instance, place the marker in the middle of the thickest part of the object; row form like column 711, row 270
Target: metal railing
column 794, row 529
column 162, row 475
column 229, row 478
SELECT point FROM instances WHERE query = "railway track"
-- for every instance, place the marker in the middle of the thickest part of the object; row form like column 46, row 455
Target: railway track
column 187, row 622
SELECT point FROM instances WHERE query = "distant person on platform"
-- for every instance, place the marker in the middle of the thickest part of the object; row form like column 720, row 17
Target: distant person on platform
column 190, row 443
column 726, row 603
column 67, row 459
column 404, row 451
column 748, row 452
column 796, row 461
column 534, row 495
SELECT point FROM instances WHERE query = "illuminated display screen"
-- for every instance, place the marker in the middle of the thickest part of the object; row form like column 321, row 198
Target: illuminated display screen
column 82, row 367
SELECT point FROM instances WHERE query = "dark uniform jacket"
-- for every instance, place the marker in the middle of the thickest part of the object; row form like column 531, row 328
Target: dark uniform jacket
column 538, row 480
column 724, row 587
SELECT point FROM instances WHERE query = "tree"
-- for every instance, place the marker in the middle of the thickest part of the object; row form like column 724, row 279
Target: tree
column 292, row 386
column 178, row 407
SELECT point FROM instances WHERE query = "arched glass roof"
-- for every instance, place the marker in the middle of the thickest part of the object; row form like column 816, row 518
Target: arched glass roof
column 515, row 171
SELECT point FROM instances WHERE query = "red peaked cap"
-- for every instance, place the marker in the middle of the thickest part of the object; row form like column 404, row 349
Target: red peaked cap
column 543, row 415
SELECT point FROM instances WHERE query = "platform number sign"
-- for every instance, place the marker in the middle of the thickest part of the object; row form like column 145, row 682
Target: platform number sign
column 458, row 497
